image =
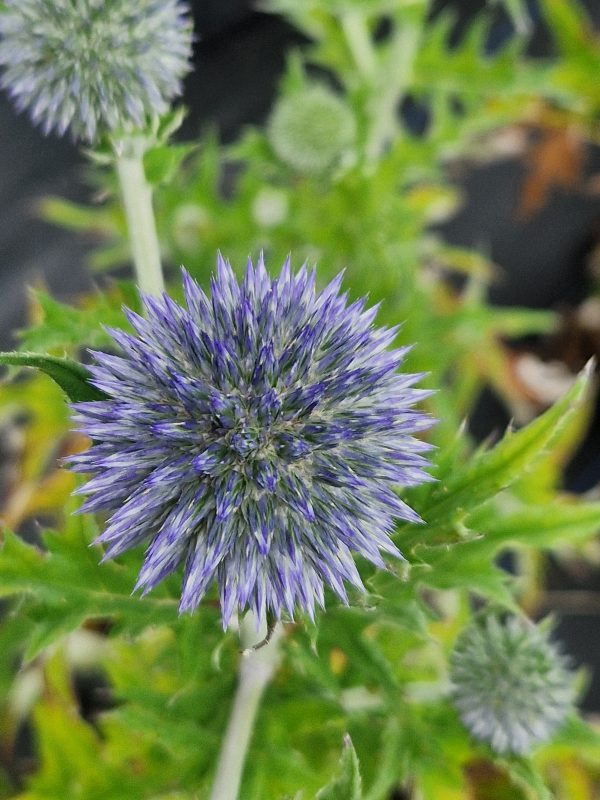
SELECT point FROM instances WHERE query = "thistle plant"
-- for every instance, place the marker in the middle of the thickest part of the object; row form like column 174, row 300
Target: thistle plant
column 257, row 437
column 512, row 686
column 260, row 457
column 92, row 66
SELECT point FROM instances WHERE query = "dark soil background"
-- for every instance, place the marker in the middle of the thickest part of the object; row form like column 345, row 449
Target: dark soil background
column 239, row 58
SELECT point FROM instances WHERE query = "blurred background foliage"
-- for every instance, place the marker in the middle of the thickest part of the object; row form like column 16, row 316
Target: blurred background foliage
column 104, row 695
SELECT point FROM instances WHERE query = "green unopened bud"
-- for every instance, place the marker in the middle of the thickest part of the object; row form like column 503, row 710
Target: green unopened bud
column 511, row 684
column 311, row 129
column 270, row 207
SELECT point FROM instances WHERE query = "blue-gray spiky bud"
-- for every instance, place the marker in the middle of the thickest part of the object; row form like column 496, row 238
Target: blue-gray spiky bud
column 90, row 66
column 511, row 684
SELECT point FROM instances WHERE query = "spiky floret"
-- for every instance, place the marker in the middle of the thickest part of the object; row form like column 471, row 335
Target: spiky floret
column 256, row 436
column 511, row 684
column 90, row 65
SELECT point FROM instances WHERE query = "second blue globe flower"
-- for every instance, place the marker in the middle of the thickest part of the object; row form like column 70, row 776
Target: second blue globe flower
column 255, row 436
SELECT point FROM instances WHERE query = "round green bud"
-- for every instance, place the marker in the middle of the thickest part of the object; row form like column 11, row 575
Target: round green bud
column 311, row 129
column 270, row 207
column 189, row 222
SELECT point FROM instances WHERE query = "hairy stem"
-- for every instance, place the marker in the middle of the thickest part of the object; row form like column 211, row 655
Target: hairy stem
column 141, row 226
column 255, row 671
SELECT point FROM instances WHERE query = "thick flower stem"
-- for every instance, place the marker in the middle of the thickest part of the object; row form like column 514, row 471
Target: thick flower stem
column 386, row 71
column 394, row 81
column 360, row 43
column 141, row 226
column 255, row 671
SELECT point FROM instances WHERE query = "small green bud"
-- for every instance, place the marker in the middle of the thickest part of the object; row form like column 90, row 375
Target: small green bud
column 189, row 222
column 311, row 129
column 270, row 207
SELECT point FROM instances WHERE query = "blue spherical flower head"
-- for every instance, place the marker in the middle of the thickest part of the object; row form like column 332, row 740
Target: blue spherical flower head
column 256, row 436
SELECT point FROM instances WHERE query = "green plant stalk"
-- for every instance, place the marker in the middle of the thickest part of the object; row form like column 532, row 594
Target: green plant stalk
column 394, row 78
column 256, row 669
column 360, row 43
column 141, row 226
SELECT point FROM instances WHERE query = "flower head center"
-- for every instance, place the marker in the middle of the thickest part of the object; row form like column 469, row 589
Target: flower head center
column 249, row 441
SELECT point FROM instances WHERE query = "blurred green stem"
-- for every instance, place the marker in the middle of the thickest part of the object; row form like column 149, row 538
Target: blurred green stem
column 388, row 77
column 394, row 78
column 360, row 42
column 255, row 671
column 141, row 226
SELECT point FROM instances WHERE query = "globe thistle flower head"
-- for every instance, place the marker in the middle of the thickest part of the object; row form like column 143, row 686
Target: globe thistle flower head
column 94, row 65
column 511, row 685
column 255, row 436
column 309, row 130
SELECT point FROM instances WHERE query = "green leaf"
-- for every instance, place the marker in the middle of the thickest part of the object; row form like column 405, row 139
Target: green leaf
column 469, row 69
column 66, row 584
column 50, row 623
column 397, row 601
column 72, row 377
column 491, row 471
column 469, row 523
column 98, row 221
column 465, row 565
column 14, row 630
column 65, row 328
column 469, row 563
column 537, row 525
column 389, row 767
column 526, row 776
column 348, row 784
column 519, row 14
column 161, row 163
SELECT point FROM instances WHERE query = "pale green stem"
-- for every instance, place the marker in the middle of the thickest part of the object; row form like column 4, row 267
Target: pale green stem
column 255, row 671
column 141, row 226
column 396, row 73
column 360, row 42
column 388, row 78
